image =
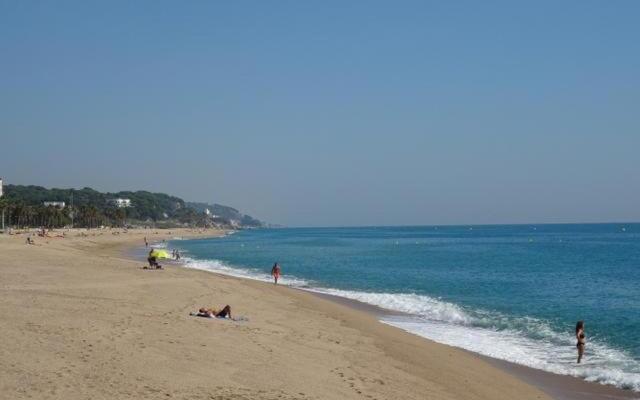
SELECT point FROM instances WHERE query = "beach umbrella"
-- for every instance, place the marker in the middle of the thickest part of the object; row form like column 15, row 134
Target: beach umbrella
column 159, row 253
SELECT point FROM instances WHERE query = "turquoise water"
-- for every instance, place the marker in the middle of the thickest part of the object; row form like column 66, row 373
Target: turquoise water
column 510, row 292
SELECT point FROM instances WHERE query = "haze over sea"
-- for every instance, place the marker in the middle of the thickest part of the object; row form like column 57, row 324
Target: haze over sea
column 512, row 292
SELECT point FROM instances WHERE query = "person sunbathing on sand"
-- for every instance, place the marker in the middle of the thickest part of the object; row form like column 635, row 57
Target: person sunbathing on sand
column 213, row 313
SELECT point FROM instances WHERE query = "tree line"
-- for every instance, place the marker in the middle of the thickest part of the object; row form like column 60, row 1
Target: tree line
column 21, row 215
column 24, row 207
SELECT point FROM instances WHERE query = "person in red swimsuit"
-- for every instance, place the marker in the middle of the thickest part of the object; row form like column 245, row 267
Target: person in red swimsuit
column 275, row 272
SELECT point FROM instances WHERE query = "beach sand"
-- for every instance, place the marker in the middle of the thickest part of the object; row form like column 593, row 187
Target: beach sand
column 79, row 320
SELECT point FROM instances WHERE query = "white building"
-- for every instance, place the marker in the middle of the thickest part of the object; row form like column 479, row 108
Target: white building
column 120, row 203
column 0, row 187
column 58, row 204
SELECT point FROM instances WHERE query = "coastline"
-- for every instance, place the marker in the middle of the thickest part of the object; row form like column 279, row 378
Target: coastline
column 557, row 386
column 562, row 387
column 80, row 320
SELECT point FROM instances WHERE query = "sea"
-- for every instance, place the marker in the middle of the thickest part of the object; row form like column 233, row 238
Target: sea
column 511, row 292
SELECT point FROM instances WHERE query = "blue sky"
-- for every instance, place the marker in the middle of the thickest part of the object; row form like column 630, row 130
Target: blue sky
column 331, row 113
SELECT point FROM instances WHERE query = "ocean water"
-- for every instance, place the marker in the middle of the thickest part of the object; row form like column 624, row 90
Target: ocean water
column 512, row 292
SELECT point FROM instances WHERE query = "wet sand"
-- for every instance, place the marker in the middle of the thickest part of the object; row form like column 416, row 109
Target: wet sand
column 80, row 320
column 559, row 387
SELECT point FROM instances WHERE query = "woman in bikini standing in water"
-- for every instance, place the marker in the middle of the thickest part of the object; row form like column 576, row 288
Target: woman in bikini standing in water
column 581, row 339
column 275, row 272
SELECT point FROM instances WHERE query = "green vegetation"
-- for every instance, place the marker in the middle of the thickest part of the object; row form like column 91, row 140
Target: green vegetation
column 225, row 213
column 24, row 207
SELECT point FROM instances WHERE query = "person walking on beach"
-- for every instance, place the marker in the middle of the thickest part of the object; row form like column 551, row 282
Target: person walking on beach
column 146, row 244
column 581, row 339
column 275, row 272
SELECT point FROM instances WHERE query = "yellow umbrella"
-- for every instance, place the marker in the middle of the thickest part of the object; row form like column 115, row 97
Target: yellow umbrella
column 159, row 253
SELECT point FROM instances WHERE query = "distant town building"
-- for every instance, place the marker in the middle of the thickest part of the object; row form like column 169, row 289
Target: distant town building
column 0, row 187
column 58, row 204
column 206, row 211
column 120, row 203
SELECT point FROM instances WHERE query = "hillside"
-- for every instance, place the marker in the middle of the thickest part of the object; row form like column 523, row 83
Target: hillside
column 24, row 206
column 227, row 213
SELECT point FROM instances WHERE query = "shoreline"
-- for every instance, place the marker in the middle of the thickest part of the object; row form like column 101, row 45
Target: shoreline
column 557, row 386
column 82, row 320
column 562, row 387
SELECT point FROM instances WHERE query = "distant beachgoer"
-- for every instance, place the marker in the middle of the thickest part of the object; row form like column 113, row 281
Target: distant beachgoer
column 146, row 244
column 177, row 255
column 30, row 241
column 213, row 313
column 275, row 272
column 581, row 339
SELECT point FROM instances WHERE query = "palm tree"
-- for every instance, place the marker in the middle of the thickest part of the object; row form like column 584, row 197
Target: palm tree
column 10, row 211
column 31, row 214
column 19, row 214
column 90, row 216
column 4, row 205
column 120, row 216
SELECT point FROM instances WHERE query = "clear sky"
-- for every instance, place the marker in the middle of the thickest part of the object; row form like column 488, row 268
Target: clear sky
column 331, row 112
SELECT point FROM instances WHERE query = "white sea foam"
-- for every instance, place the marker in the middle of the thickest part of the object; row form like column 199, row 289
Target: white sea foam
column 601, row 364
column 526, row 341
column 254, row 274
column 406, row 303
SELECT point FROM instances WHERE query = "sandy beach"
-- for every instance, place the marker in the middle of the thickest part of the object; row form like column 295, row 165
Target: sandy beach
column 80, row 320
